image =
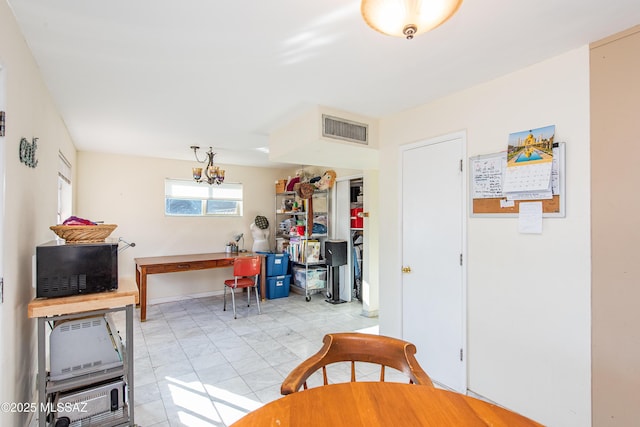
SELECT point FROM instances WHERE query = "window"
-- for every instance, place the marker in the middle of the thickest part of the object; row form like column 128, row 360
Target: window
column 189, row 198
column 64, row 188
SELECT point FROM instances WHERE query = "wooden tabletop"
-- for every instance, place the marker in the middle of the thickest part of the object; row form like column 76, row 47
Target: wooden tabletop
column 381, row 404
column 171, row 259
column 126, row 294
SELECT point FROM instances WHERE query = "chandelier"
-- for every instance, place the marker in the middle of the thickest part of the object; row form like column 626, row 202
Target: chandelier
column 213, row 174
column 407, row 18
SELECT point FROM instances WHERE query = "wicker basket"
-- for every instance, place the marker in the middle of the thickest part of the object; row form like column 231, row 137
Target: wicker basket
column 83, row 233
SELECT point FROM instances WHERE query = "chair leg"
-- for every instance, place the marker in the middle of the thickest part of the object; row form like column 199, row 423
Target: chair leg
column 248, row 297
column 224, row 299
column 258, row 301
column 233, row 302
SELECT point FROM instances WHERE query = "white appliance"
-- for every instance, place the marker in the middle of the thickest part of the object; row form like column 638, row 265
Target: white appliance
column 83, row 346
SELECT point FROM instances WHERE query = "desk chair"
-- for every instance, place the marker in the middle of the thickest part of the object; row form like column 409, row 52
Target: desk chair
column 246, row 270
column 356, row 347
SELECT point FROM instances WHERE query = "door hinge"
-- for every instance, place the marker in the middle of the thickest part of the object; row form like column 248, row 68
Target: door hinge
column 460, row 165
column 461, row 355
column 1, row 290
column 460, row 259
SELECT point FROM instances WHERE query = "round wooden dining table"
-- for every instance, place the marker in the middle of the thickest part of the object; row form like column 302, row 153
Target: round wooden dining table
column 380, row 404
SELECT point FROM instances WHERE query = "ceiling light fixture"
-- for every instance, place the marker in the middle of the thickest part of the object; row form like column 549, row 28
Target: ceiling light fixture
column 213, row 174
column 407, row 18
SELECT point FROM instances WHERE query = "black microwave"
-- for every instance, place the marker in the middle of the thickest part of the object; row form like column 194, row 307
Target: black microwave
column 71, row 269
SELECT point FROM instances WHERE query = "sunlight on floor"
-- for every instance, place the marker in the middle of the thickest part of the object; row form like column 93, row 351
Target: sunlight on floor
column 206, row 405
column 197, row 366
column 374, row 330
column 193, row 405
column 231, row 406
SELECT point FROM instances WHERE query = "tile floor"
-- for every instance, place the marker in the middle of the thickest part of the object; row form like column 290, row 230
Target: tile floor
column 195, row 365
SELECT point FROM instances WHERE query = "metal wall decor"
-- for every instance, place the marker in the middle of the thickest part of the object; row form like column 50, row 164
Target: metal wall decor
column 1, row 123
column 28, row 152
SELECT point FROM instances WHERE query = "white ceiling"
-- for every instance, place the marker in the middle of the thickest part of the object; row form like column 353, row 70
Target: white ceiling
column 153, row 77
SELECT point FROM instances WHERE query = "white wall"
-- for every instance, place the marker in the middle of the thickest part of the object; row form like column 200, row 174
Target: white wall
column 528, row 295
column 129, row 191
column 30, row 208
column 529, row 343
column 301, row 141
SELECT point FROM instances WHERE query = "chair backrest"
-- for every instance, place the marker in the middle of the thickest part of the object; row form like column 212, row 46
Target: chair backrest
column 246, row 266
column 356, row 347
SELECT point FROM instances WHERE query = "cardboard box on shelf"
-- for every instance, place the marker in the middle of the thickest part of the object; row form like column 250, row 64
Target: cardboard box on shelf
column 281, row 185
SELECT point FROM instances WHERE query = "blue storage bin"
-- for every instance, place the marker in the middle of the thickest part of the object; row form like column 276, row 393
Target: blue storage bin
column 278, row 286
column 277, row 264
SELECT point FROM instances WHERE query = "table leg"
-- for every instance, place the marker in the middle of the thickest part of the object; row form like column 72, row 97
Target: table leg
column 143, row 294
column 42, row 373
column 138, row 283
column 130, row 358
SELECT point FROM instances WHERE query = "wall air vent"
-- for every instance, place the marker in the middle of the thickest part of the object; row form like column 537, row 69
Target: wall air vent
column 346, row 130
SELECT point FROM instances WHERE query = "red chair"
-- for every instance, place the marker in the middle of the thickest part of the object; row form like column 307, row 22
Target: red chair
column 246, row 270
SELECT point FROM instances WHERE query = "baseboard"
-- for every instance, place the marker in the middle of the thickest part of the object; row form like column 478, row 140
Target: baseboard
column 33, row 418
column 176, row 298
column 480, row 397
column 468, row 392
column 369, row 313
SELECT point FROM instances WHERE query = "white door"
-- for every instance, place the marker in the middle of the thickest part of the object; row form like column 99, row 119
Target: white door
column 433, row 225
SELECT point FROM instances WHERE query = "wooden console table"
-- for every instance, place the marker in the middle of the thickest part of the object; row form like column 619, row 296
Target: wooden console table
column 177, row 263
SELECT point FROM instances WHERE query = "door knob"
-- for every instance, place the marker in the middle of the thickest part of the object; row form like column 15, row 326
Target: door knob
column 406, row 269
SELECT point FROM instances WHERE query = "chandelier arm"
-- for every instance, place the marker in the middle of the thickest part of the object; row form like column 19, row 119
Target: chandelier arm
column 195, row 149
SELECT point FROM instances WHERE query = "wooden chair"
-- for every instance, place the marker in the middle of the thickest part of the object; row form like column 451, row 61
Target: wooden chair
column 246, row 270
column 356, row 347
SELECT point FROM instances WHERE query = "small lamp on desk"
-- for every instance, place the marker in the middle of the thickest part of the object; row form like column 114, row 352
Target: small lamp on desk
column 237, row 238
